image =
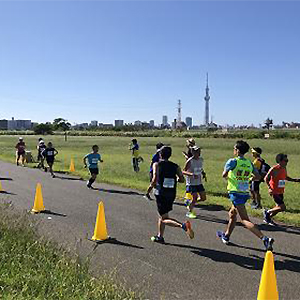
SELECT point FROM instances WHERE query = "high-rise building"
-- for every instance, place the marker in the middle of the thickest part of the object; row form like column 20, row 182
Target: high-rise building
column 151, row 123
column 94, row 123
column 206, row 98
column 165, row 120
column 189, row 122
column 179, row 114
column 119, row 123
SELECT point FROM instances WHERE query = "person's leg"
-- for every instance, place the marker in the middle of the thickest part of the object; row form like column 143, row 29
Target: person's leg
column 241, row 209
column 92, row 179
column 23, row 159
column 193, row 203
column 277, row 209
column 232, row 221
column 202, row 196
column 18, row 158
column 50, row 164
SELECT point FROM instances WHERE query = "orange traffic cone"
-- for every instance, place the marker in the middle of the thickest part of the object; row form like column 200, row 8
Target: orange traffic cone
column 268, row 284
column 38, row 200
column 100, row 232
column 72, row 165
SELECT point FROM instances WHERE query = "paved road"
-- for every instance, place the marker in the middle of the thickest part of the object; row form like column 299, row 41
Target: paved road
column 202, row 268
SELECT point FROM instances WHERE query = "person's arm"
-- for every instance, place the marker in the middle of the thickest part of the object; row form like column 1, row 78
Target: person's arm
column 267, row 180
column 179, row 175
column 185, row 169
column 154, row 179
column 185, row 155
column 100, row 159
column 292, row 179
column 56, row 152
column 84, row 161
column 230, row 165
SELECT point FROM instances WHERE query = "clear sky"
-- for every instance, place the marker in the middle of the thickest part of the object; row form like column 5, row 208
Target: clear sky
column 132, row 60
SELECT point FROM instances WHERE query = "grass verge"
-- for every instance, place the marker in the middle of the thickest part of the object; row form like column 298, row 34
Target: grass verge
column 33, row 268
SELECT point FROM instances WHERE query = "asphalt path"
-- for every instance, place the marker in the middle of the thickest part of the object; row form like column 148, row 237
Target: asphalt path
column 202, row 268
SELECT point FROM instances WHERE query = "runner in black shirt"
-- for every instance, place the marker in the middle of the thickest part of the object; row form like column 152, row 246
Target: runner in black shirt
column 49, row 154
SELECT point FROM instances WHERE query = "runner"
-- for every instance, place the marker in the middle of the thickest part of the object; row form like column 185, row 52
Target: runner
column 49, row 154
column 20, row 147
column 189, row 144
column 165, row 176
column 155, row 158
column 40, row 158
column 275, row 180
column 238, row 171
column 193, row 170
column 136, row 158
column 254, row 184
column 93, row 159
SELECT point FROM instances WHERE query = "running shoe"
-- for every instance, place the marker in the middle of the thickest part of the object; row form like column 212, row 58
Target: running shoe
column 187, row 202
column 158, row 239
column 272, row 223
column 147, row 196
column 267, row 218
column 268, row 243
column 191, row 215
column 221, row 235
column 187, row 227
column 88, row 185
column 53, row 176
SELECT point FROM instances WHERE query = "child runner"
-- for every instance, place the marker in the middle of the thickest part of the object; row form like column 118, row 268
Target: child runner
column 254, row 185
column 275, row 180
column 155, row 158
column 189, row 144
column 165, row 174
column 93, row 159
column 134, row 148
column 193, row 170
column 40, row 148
column 20, row 146
column 238, row 171
column 49, row 154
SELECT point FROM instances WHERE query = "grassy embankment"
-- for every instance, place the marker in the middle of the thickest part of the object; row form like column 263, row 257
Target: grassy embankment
column 117, row 167
column 32, row 268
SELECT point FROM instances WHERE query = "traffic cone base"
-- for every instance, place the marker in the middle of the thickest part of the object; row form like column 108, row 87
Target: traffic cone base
column 100, row 232
column 38, row 200
column 1, row 189
column 268, row 284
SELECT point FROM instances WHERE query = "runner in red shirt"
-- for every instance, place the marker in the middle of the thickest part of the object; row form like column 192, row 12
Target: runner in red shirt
column 20, row 151
column 275, row 180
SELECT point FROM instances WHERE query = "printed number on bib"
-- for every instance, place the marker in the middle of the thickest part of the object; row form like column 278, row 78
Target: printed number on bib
column 243, row 186
column 281, row 183
column 94, row 160
column 50, row 153
column 169, row 183
column 197, row 171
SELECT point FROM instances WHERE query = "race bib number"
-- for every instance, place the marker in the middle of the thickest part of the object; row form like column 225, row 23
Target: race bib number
column 94, row 160
column 169, row 183
column 50, row 153
column 197, row 171
column 281, row 183
column 243, row 186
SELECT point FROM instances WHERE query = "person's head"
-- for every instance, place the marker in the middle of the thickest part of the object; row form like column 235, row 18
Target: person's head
column 134, row 141
column 41, row 142
column 196, row 151
column 40, row 139
column 95, row 148
column 20, row 139
column 159, row 145
column 165, row 152
column 49, row 145
column 256, row 151
column 241, row 148
column 190, row 143
column 282, row 159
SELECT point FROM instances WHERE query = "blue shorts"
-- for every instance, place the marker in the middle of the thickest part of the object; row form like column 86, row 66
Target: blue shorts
column 238, row 199
column 193, row 189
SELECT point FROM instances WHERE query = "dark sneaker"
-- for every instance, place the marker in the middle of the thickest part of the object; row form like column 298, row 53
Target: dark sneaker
column 147, row 196
column 272, row 223
column 187, row 227
column 158, row 239
column 268, row 243
column 88, row 185
column 53, row 176
column 221, row 235
column 267, row 218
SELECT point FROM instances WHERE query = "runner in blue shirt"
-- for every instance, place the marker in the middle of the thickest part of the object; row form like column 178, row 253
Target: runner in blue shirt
column 92, row 159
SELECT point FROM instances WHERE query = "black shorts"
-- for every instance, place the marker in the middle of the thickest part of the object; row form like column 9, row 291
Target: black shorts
column 22, row 153
column 278, row 198
column 255, row 186
column 164, row 204
column 94, row 171
column 50, row 161
column 195, row 189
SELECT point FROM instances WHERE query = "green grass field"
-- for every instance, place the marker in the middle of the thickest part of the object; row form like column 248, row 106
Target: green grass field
column 117, row 168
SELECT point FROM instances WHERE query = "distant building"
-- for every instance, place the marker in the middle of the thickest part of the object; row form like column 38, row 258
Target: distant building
column 94, row 123
column 138, row 123
column 19, row 124
column 151, row 123
column 119, row 123
column 3, row 124
column 189, row 122
column 165, row 120
column 174, row 124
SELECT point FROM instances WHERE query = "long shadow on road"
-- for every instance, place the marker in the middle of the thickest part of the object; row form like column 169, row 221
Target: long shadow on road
column 281, row 227
column 115, row 242
column 118, row 192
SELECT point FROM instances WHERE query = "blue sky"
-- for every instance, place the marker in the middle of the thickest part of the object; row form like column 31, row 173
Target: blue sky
column 132, row 60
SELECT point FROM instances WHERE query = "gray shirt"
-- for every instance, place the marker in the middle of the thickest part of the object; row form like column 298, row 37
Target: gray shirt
column 195, row 167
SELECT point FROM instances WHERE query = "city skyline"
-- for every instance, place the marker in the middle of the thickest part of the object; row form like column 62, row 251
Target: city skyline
column 100, row 60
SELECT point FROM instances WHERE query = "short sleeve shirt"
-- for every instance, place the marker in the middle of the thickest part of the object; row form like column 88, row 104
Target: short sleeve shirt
column 93, row 159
